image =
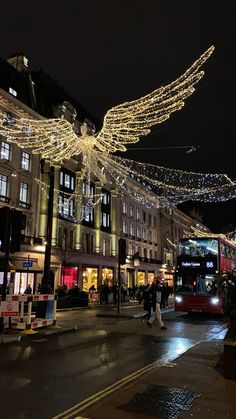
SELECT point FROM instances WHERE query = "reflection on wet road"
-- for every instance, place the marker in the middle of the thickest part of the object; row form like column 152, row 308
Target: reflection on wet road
column 57, row 372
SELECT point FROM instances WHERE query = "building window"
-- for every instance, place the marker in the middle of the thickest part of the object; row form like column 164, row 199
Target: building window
column 138, row 214
column 138, row 232
column 131, row 211
column 66, row 207
column 5, row 151
column 12, row 92
column 144, row 234
column 25, row 161
column 24, row 192
column 124, row 208
column 169, row 258
column 105, row 210
column 131, row 229
column 105, row 198
column 3, row 185
column 149, row 219
column 144, row 216
column 88, row 207
column 8, row 119
column 154, row 221
column 105, row 220
column 149, row 236
column 67, row 180
column 125, row 230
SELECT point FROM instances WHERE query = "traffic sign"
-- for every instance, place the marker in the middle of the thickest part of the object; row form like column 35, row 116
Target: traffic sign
column 27, row 264
column 9, row 309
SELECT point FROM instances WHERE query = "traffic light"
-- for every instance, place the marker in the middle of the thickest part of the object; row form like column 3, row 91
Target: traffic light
column 122, row 251
column 18, row 221
column 4, row 214
column 12, row 222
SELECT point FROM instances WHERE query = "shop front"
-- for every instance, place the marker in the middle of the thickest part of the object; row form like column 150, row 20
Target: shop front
column 69, row 276
column 22, row 272
column 169, row 277
column 89, row 278
column 141, row 278
column 151, row 277
column 130, row 277
column 107, row 276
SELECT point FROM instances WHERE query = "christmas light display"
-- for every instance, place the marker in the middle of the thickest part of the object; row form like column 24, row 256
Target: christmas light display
column 55, row 139
column 160, row 186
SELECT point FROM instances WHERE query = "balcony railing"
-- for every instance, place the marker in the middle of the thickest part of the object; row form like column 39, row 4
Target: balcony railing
column 30, row 240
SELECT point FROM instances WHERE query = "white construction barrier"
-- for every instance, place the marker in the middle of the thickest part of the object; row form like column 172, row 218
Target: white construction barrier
column 27, row 320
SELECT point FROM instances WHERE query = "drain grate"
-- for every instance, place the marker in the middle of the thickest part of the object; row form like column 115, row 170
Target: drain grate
column 165, row 402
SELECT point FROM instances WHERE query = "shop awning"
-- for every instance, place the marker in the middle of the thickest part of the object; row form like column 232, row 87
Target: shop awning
column 25, row 266
column 21, row 265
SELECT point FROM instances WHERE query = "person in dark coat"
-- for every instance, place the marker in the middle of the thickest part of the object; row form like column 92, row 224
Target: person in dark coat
column 151, row 298
column 28, row 289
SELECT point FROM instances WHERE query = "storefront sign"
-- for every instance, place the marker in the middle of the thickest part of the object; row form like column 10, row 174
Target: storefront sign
column 9, row 309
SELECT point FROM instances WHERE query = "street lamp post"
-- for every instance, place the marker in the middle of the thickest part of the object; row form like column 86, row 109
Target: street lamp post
column 6, row 258
column 46, row 280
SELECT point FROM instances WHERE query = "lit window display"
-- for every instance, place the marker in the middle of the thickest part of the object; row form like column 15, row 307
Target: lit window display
column 107, row 276
column 69, row 276
column 150, row 277
column 141, row 278
column 90, row 277
column 22, row 279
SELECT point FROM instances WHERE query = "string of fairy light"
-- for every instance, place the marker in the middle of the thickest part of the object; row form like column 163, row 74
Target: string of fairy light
column 167, row 186
column 56, row 140
column 127, row 122
column 151, row 185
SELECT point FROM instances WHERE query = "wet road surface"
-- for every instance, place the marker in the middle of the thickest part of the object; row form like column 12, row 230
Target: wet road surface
column 42, row 377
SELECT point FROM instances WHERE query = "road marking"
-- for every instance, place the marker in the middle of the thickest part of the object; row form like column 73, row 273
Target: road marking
column 70, row 413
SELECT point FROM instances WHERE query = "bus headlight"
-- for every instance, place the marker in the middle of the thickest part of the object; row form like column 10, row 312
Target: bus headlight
column 215, row 300
column 178, row 299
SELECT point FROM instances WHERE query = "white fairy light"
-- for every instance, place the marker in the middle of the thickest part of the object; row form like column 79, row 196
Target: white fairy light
column 56, row 140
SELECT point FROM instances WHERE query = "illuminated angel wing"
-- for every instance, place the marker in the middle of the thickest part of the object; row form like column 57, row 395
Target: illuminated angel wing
column 53, row 139
column 127, row 122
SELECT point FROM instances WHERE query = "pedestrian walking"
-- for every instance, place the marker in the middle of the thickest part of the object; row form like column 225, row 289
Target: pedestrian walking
column 151, row 298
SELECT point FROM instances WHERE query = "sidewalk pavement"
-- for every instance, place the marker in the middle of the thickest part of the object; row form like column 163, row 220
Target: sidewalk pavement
column 191, row 386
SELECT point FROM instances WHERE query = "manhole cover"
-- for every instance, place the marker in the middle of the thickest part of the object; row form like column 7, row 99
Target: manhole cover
column 165, row 402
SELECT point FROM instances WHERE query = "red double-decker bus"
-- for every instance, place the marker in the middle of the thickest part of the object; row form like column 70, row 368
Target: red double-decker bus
column 200, row 263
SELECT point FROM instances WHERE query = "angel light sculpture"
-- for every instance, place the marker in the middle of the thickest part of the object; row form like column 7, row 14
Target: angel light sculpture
column 55, row 139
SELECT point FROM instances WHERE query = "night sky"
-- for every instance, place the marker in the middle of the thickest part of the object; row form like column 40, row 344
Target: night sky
column 106, row 52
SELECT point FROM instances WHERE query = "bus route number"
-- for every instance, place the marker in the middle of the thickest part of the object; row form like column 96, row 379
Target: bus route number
column 209, row 264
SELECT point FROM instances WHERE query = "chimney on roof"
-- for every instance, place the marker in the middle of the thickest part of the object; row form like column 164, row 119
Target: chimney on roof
column 19, row 61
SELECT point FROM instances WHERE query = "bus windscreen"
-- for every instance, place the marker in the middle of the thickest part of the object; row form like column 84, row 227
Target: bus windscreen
column 198, row 247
